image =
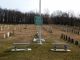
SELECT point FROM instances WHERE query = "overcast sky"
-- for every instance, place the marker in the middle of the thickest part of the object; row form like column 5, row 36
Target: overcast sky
column 47, row 5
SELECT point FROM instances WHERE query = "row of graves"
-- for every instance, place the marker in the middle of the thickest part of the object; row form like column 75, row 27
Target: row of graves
column 70, row 39
column 8, row 30
column 4, row 35
column 73, row 36
column 26, row 46
column 73, row 29
column 56, row 46
column 5, row 31
column 60, row 46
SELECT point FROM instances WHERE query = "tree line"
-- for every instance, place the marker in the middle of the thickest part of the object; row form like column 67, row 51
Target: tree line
column 16, row 17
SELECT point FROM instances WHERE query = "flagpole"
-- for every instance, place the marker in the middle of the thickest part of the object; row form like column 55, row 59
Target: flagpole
column 40, row 26
column 40, row 7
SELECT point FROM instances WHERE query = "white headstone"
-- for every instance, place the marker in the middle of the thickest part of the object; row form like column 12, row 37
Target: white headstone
column 4, row 36
column 8, row 34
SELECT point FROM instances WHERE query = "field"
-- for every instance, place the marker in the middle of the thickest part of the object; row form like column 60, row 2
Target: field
column 25, row 33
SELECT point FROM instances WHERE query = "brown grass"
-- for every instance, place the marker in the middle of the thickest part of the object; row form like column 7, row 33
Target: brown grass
column 25, row 33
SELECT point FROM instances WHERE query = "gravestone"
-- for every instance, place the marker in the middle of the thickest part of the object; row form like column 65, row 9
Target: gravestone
column 8, row 34
column 21, row 47
column 68, row 39
column 60, row 47
column 5, row 36
column 72, row 40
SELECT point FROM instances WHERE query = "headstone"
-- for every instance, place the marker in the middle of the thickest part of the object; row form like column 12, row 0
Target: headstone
column 8, row 34
column 4, row 36
column 72, row 40
column 68, row 39
column 60, row 47
column 21, row 47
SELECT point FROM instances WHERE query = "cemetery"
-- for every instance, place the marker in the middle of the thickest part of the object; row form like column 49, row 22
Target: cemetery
column 37, row 36
column 60, row 46
column 21, row 44
column 38, row 41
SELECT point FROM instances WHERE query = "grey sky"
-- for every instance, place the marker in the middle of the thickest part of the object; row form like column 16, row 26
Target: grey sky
column 47, row 5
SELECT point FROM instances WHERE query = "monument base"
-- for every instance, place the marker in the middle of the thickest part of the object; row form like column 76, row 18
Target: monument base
column 28, row 49
column 20, row 47
column 38, row 41
column 60, row 50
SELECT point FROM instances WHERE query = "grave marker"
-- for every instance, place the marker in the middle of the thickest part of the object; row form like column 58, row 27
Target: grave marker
column 4, row 36
column 60, row 47
column 21, row 47
column 8, row 34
